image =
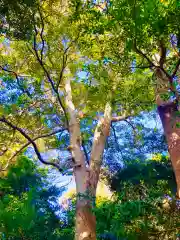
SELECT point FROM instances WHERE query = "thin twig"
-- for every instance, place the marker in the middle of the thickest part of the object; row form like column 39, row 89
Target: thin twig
column 162, row 54
column 65, row 62
column 63, row 68
column 141, row 67
column 48, row 75
column 120, row 118
column 28, row 143
column 133, row 128
column 18, row 80
column 144, row 55
column 176, row 68
column 41, row 33
column 85, row 152
column 116, row 140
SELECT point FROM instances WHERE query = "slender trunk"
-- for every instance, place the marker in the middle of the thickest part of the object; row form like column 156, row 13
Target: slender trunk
column 86, row 178
column 83, row 227
column 85, row 219
column 170, row 119
column 100, row 136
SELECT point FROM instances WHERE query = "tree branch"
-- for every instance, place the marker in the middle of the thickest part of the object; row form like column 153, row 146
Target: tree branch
column 39, row 59
column 176, row 68
column 63, row 67
column 162, row 54
column 133, row 128
column 65, row 62
column 143, row 55
column 169, row 77
column 41, row 33
column 151, row 63
column 30, row 141
column 101, row 134
column 141, row 67
column 116, row 140
column 74, row 128
column 18, row 80
column 172, row 87
column 120, row 118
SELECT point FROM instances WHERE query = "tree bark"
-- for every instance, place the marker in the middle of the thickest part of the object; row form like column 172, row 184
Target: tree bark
column 168, row 112
column 85, row 221
column 84, row 217
column 86, row 178
column 170, row 119
column 101, row 133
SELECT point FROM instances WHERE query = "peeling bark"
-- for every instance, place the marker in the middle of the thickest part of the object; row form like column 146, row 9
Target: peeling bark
column 85, row 222
column 168, row 112
column 86, row 179
column 83, row 228
column 75, row 140
column 169, row 119
column 100, row 136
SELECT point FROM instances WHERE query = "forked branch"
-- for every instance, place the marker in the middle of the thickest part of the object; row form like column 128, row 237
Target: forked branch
column 160, row 67
column 28, row 143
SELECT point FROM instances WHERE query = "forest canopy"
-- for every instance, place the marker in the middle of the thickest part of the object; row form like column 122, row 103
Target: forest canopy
column 89, row 91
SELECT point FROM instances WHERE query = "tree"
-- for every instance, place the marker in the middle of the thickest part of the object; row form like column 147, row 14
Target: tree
column 53, row 99
column 164, row 65
column 143, row 205
column 144, row 37
column 54, row 102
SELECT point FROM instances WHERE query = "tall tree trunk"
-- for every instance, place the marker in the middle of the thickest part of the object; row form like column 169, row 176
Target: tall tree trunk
column 84, row 228
column 170, row 119
column 167, row 110
column 86, row 178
